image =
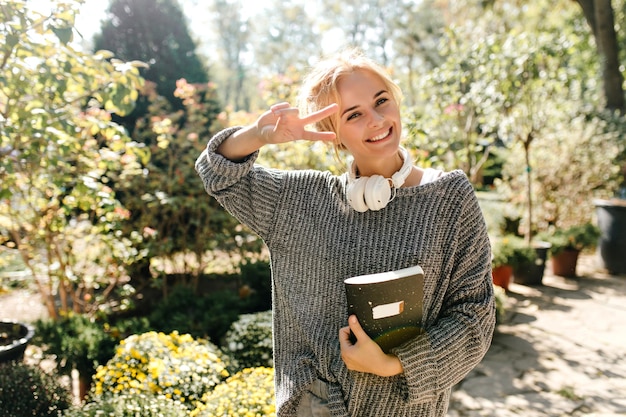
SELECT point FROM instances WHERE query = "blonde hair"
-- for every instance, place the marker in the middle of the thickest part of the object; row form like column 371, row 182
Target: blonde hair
column 319, row 87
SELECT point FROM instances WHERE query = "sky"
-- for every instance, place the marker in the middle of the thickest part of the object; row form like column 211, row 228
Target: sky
column 87, row 22
column 89, row 19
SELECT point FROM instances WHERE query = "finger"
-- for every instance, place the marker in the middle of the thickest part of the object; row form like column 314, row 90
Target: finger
column 321, row 114
column 356, row 328
column 319, row 136
column 287, row 111
column 279, row 106
column 344, row 336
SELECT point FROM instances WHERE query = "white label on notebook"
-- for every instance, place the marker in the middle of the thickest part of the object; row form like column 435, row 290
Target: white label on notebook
column 388, row 310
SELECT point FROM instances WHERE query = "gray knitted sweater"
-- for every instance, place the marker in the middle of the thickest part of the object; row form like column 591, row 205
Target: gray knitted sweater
column 316, row 241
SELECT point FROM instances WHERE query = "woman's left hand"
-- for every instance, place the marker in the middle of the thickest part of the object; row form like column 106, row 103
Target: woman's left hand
column 365, row 355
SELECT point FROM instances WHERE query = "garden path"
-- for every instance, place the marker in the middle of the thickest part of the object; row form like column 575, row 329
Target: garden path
column 560, row 352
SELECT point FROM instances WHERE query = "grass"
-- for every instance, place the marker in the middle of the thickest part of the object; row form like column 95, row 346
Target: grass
column 568, row 392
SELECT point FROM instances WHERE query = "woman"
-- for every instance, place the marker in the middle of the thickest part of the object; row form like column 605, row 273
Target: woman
column 384, row 214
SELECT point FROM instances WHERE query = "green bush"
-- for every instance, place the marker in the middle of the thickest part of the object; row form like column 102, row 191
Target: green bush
column 129, row 405
column 257, row 276
column 577, row 237
column 249, row 340
column 28, row 391
column 511, row 250
column 78, row 341
column 122, row 327
column 208, row 316
column 176, row 366
column 247, row 393
column 501, row 299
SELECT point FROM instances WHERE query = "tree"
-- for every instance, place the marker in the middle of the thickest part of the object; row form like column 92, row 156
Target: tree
column 522, row 91
column 288, row 40
column 453, row 120
column 601, row 19
column 234, row 39
column 418, row 31
column 59, row 151
column 188, row 228
column 374, row 26
column 154, row 32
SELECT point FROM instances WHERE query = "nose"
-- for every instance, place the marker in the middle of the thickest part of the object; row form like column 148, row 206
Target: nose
column 375, row 118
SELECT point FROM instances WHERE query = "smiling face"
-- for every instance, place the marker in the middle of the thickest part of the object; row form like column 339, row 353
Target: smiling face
column 369, row 122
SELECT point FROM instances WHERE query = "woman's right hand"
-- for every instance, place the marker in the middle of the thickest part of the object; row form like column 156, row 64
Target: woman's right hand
column 282, row 123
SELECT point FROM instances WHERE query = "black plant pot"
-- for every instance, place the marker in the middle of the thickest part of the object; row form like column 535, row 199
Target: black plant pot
column 612, row 243
column 14, row 338
column 532, row 273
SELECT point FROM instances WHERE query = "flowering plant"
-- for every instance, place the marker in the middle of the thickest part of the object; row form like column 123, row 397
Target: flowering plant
column 175, row 366
column 248, row 342
column 249, row 392
column 131, row 405
column 511, row 250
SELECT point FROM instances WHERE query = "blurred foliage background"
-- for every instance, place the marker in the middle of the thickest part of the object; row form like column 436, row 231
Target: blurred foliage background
column 99, row 132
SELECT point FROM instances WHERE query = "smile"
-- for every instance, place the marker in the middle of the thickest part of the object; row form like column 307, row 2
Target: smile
column 380, row 137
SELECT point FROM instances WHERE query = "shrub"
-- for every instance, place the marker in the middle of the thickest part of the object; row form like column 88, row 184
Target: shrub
column 122, row 327
column 249, row 392
column 130, row 405
column 501, row 299
column 78, row 342
column 257, row 276
column 26, row 390
column 249, row 340
column 176, row 366
column 511, row 250
column 185, row 311
column 577, row 237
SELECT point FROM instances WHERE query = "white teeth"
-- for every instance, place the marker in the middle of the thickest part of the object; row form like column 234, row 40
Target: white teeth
column 379, row 137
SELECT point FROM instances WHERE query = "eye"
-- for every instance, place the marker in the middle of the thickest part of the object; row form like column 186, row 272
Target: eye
column 381, row 100
column 352, row 116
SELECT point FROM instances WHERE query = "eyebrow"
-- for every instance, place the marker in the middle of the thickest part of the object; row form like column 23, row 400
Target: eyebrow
column 355, row 107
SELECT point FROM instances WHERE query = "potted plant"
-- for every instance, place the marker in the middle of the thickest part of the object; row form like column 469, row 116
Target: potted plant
column 529, row 262
column 566, row 245
column 611, row 214
column 14, row 338
column 79, row 344
column 509, row 253
column 501, row 268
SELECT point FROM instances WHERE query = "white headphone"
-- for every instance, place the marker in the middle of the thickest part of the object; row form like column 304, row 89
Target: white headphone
column 375, row 192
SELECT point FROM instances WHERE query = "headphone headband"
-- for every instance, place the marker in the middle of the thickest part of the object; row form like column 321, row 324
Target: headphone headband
column 399, row 176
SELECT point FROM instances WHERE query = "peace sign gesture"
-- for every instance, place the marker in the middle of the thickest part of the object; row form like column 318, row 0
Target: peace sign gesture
column 280, row 124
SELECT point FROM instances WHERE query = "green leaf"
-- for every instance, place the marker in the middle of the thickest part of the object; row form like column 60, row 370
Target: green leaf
column 65, row 34
column 12, row 40
column 5, row 194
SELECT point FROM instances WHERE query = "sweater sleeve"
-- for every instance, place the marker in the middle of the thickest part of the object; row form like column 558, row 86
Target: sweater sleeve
column 460, row 335
column 247, row 191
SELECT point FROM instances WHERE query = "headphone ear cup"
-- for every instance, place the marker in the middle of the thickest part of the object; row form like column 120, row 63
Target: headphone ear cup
column 354, row 193
column 377, row 192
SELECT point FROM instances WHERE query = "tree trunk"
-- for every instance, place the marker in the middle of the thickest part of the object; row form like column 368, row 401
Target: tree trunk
column 529, row 191
column 600, row 17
